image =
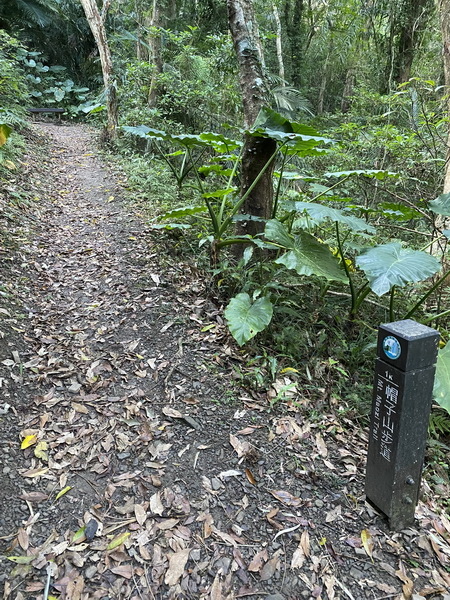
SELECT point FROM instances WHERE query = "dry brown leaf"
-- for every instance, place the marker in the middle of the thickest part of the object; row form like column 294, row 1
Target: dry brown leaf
column 140, row 513
column 298, row 558
column 257, row 561
column 125, row 571
column 286, row 498
column 156, row 506
column 333, row 514
column 34, row 496
column 270, row 567
column 330, row 581
column 22, row 538
column 216, row 589
column 241, row 448
column 177, row 562
column 321, row 446
column 75, row 588
column 305, row 543
column 250, row 476
column 172, row 412
column 167, row 524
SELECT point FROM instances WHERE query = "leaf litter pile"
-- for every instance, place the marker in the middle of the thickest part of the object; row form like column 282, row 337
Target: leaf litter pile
column 133, row 466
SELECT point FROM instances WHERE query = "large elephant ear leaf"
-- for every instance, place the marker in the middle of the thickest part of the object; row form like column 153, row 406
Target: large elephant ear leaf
column 246, row 318
column 441, row 205
column 390, row 264
column 305, row 254
column 441, row 391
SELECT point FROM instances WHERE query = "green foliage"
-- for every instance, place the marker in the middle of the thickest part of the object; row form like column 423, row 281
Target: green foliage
column 391, row 265
column 246, row 318
column 304, row 253
column 441, row 390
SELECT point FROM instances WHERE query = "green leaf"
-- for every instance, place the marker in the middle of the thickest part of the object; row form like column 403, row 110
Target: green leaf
column 305, row 254
column 441, row 391
column 5, row 132
column 59, row 94
column 170, row 226
column 219, row 142
column 320, row 212
column 441, row 205
column 246, row 319
column 183, row 211
column 219, row 193
column 300, row 139
column 374, row 173
column 390, row 264
column 143, row 131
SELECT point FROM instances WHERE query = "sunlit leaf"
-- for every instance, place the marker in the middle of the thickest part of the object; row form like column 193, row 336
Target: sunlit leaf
column 63, row 491
column 367, row 542
column 118, row 540
column 28, row 441
column 21, row 560
column 390, row 264
column 41, row 451
column 5, row 132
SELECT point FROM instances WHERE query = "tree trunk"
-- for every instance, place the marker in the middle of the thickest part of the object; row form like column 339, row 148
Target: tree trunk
column 257, row 152
column 444, row 10
column 96, row 22
column 154, row 42
column 441, row 222
column 293, row 18
column 408, row 21
column 141, row 49
column 279, row 44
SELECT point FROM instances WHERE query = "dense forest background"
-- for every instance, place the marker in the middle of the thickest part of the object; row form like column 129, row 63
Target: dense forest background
column 301, row 144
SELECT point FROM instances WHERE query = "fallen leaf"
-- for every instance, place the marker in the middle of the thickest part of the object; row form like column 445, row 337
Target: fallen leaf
column 250, row 477
column 321, row 446
column 22, row 538
column 140, row 513
column 118, row 540
column 269, row 568
column 156, row 506
column 63, row 492
column 367, row 543
column 41, row 451
column 257, row 561
column 28, row 441
column 333, row 514
column 177, row 562
column 125, row 571
column 34, row 496
column 286, row 498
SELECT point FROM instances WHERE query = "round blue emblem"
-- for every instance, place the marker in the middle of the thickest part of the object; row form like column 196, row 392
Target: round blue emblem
column 391, row 347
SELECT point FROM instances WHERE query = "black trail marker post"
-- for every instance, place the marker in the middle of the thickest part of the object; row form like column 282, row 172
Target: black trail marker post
column 402, row 395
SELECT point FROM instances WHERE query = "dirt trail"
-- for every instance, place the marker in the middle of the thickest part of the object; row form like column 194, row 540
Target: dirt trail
column 145, row 472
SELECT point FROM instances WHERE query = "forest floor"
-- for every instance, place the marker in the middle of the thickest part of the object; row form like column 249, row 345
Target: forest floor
column 133, row 465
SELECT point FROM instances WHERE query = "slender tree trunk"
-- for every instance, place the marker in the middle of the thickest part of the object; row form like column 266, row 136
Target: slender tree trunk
column 141, row 49
column 279, row 45
column 96, row 22
column 444, row 10
column 257, row 152
column 155, row 53
column 293, row 18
